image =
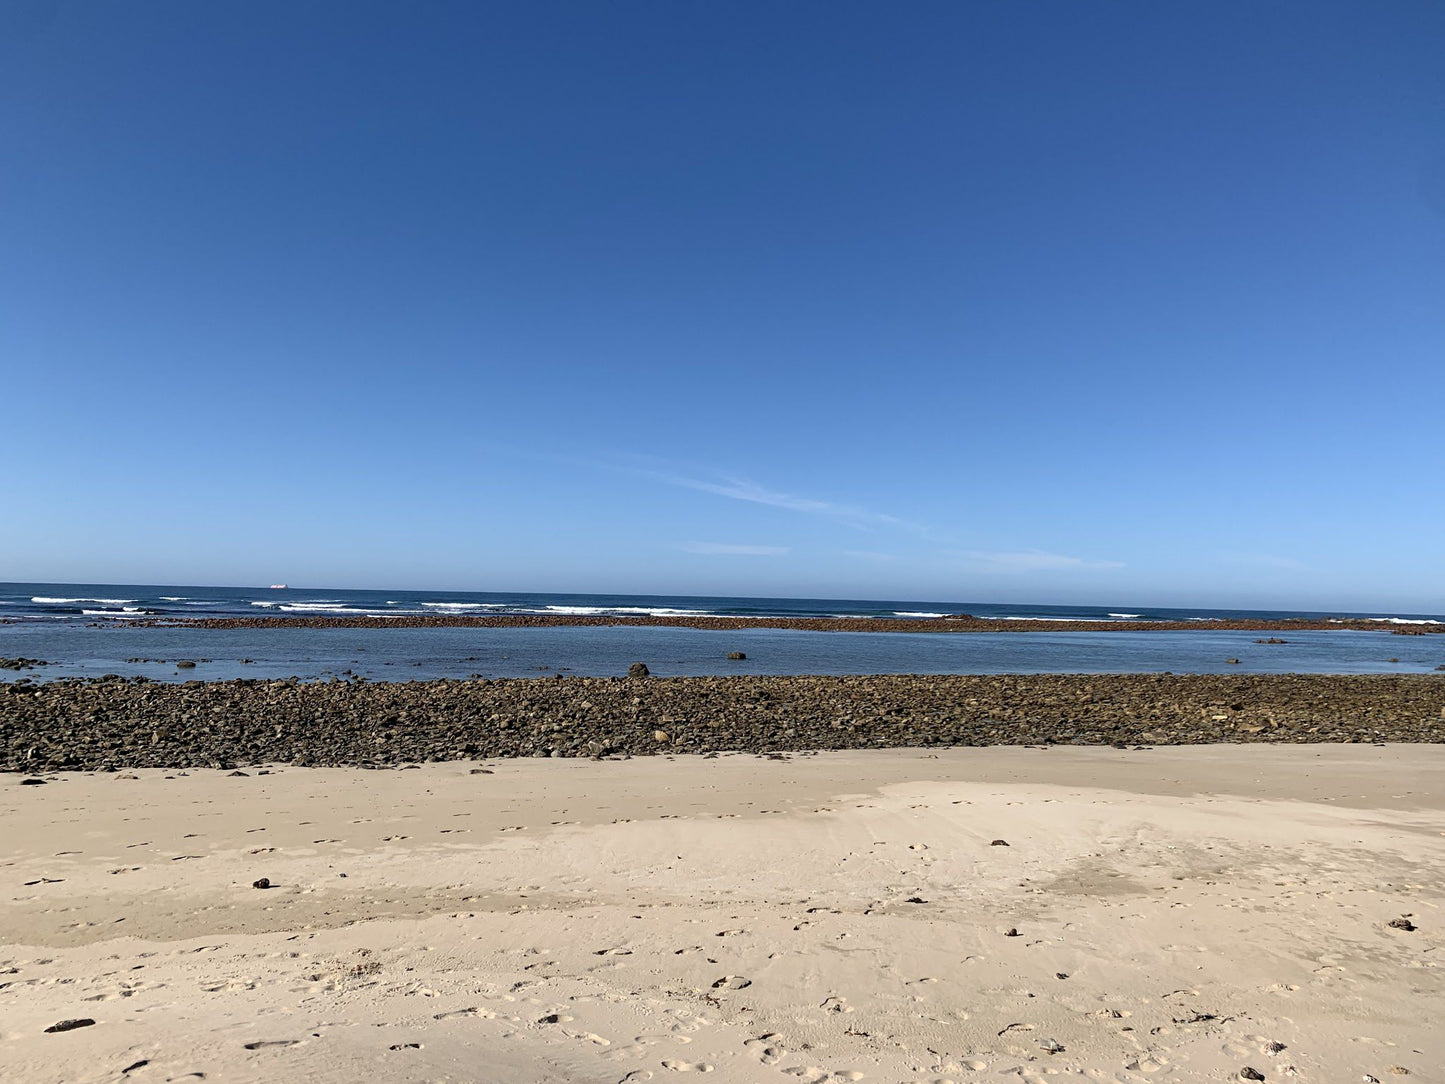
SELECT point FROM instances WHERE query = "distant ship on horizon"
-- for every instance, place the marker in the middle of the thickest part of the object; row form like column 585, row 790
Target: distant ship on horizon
column 278, row 587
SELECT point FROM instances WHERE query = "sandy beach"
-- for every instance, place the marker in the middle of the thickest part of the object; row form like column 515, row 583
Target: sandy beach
column 1182, row 913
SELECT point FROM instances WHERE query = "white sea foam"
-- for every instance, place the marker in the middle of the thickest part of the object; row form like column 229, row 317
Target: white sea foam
column 1126, row 615
column 103, row 601
column 1406, row 620
column 175, row 598
column 463, row 605
column 1018, row 618
column 130, row 611
column 916, row 613
column 603, row 611
column 315, row 604
column 330, row 608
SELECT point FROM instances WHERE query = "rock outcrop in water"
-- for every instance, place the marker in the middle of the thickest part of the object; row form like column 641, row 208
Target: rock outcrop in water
column 952, row 623
column 116, row 723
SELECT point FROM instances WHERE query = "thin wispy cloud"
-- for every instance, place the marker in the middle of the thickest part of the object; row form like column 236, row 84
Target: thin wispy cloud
column 869, row 555
column 731, row 549
column 1030, row 561
column 742, row 489
column 1265, row 560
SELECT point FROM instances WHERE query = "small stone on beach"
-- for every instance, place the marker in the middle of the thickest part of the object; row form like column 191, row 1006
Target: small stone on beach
column 261, row 882
column 70, row 1025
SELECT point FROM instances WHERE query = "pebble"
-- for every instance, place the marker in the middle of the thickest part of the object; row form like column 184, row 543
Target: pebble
column 261, row 882
column 1249, row 1072
column 70, row 1025
column 1402, row 923
column 999, row 843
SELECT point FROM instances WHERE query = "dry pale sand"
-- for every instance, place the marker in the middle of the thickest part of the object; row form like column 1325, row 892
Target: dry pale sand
column 1179, row 912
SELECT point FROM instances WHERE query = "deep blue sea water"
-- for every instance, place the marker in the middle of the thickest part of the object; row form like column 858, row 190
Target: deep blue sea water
column 86, row 603
column 88, row 630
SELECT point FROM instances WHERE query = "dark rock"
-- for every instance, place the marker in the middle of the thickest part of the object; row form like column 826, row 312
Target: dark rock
column 261, row 882
column 999, row 843
column 1402, row 923
column 737, row 656
column 91, row 725
column 1273, row 1048
column 915, row 899
column 70, row 1025
column 1250, row 1073
column 185, row 664
column 1011, row 932
column 32, row 782
column 638, row 670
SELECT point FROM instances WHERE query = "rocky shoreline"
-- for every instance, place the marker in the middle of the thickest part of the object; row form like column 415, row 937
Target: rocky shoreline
column 951, row 623
column 115, row 723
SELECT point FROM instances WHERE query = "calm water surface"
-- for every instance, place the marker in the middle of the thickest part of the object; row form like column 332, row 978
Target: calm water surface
column 406, row 654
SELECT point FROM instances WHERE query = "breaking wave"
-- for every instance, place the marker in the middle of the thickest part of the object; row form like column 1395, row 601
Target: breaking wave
column 102, row 601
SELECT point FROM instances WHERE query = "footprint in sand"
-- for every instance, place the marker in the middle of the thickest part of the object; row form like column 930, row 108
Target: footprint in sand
column 766, row 1048
column 485, row 1014
column 687, row 1066
column 1154, row 1064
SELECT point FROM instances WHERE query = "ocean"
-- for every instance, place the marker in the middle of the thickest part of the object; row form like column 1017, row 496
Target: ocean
column 88, row 630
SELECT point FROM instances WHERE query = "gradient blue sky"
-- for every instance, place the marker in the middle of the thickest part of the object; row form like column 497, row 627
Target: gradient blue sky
column 1118, row 302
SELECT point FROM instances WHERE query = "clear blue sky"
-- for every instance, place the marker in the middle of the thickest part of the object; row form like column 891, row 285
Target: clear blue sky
column 1119, row 302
